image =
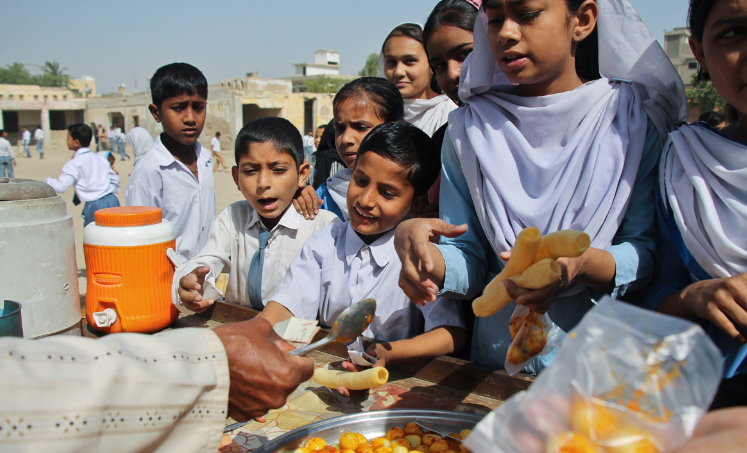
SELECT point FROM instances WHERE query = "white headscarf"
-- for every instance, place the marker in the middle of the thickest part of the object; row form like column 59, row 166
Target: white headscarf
column 140, row 140
column 427, row 114
column 337, row 185
column 568, row 160
column 703, row 177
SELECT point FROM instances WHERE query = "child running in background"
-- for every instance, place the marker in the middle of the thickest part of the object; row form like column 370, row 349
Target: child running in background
column 544, row 141
column 702, row 195
column 255, row 240
column 404, row 62
column 95, row 182
column 177, row 175
column 358, row 107
column 347, row 262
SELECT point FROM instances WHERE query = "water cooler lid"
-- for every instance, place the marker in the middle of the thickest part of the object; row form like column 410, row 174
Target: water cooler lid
column 15, row 189
column 124, row 216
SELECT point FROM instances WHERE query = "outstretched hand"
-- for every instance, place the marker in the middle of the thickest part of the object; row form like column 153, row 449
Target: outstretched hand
column 189, row 290
column 423, row 268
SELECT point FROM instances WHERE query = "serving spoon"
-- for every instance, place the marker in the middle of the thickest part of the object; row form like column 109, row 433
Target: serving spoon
column 347, row 327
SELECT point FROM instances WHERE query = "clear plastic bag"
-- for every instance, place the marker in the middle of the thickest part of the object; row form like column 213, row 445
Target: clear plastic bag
column 625, row 380
column 532, row 334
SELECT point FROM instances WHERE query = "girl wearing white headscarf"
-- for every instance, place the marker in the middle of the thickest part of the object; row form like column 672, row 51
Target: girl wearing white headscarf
column 141, row 142
column 702, row 202
column 403, row 62
column 549, row 143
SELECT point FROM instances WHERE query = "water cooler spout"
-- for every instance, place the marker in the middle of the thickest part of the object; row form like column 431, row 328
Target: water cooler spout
column 105, row 318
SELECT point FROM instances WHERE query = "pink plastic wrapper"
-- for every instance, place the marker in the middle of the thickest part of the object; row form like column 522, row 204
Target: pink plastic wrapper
column 625, row 380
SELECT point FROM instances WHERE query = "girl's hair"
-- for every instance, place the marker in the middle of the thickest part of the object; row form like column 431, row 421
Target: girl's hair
column 696, row 19
column 386, row 100
column 587, row 51
column 455, row 13
column 412, row 31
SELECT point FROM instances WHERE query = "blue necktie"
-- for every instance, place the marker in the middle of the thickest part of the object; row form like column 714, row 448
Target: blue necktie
column 255, row 271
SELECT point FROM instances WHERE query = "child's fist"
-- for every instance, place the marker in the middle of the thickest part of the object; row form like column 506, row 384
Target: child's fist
column 190, row 288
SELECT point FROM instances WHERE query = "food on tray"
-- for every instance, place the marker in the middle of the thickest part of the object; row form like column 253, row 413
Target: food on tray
column 362, row 380
column 396, row 440
column 531, row 265
column 528, row 338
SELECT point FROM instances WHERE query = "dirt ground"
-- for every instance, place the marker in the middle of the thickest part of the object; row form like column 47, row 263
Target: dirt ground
column 51, row 166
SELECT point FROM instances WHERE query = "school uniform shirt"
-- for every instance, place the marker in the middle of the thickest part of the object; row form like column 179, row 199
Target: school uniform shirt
column 336, row 269
column 90, row 175
column 308, row 142
column 121, row 393
column 6, row 149
column 187, row 202
column 235, row 239
column 26, row 136
column 38, row 134
column 215, row 142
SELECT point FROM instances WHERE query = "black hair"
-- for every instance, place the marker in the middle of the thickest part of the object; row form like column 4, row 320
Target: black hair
column 713, row 119
column 696, row 19
column 217, row 134
column 587, row 51
column 412, row 31
column 176, row 79
column 2, row 131
column 407, row 146
column 81, row 132
column 386, row 99
column 455, row 13
column 283, row 135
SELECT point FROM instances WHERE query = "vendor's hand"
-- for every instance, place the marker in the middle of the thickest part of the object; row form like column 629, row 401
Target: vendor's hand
column 307, row 202
column 262, row 373
column 412, row 243
column 720, row 431
column 722, row 301
column 540, row 300
column 189, row 290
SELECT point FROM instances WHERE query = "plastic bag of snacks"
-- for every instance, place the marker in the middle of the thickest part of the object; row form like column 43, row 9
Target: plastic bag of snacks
column 532, row 334
column 625, row 380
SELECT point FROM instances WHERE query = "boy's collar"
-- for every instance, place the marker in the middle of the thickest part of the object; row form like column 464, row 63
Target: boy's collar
column 290, row 219
column 82, row 150
column 164, row 156
column 382, row 249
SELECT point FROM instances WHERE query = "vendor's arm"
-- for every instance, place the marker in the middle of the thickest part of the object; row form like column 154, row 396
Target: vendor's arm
column 68, row 177
column 625, row 266
column 213, row 259
column 457, row 266
column 166, row 392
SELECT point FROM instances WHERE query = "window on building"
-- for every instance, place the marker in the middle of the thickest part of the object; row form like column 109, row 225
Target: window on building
column 692, row 65
column 36, row 97
column 57, row 120
column 54, row 97
column 64, row 97
column 10, row 121
column 20, row 97
column 45, row 97
column 10, row 97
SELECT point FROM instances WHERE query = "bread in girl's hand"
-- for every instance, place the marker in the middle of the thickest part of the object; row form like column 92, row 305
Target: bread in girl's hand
column 362, row 380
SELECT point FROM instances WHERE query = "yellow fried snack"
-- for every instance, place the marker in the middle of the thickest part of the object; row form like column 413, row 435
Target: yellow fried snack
column 528, row 338
column 536, row 276
column 562, row 244
column 522, row 256
column 571, row 443
column 363, row 380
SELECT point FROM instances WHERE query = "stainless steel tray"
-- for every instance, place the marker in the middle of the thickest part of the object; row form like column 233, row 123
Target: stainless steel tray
column 371, row 424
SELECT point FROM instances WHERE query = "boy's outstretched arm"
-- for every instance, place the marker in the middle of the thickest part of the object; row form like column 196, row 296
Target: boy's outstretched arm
column 275, row 312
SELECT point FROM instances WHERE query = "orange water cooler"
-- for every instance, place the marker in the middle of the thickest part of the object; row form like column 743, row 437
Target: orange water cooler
column 129, row 274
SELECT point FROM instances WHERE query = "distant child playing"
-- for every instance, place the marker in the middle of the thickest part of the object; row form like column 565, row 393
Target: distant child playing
column 255, row 240
column 344, row 263
column 95, row 182
column 7, row 156
column 358, row 107
column 215, row 146
column 176, row 175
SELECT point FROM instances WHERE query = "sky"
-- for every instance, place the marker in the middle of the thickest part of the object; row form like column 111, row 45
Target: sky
column 125, row 42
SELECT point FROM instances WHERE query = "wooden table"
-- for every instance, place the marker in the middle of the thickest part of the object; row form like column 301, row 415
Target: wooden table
column 447, row 383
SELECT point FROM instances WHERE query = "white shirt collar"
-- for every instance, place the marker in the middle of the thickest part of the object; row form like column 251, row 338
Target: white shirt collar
column 164, row 156
column 81, row 151
column 290, row 219
column 381, row 249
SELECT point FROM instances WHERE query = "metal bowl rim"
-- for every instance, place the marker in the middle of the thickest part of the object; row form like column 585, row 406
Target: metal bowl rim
column 311, row 428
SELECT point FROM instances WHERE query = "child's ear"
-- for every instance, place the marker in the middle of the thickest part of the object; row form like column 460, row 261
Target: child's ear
column 304, row 170
column 154, row 111
column 585, row 20
column 418, row 204
column 235, row 174
column 697, row 48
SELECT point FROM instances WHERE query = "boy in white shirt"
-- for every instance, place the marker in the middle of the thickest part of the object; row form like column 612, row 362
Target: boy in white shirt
column 26, row 140
column 215, row 145
column 39, row 138
column 7, row 156
column 355, row 260
column 175, row 176
column 270, row 168
column 90, row 174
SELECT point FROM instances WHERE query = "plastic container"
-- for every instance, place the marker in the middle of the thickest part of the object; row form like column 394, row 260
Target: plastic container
column 129, row 274
column 38, row 268
column 11, row 324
